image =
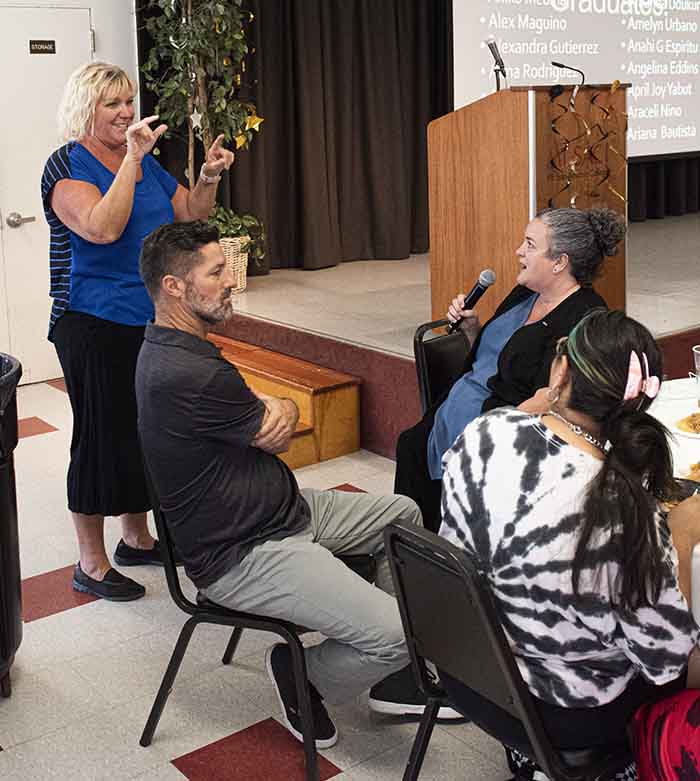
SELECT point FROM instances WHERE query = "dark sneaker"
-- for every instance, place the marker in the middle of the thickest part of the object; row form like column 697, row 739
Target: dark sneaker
column 399, row 695
column 278, row 661
column 126, row 556
column 114, row 586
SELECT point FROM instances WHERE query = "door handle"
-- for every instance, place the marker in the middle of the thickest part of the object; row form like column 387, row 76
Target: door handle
column 15, row 219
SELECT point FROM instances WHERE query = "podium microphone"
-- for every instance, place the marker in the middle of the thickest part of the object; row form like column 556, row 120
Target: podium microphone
column 486, row 279
column 493, row 48
column 500, row 69
column 570, row 68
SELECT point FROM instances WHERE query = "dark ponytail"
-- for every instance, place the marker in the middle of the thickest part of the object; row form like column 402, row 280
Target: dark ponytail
column 637, row 472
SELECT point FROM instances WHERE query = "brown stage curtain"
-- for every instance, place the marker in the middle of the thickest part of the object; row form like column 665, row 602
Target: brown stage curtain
column 663, row 186
column 346, row 87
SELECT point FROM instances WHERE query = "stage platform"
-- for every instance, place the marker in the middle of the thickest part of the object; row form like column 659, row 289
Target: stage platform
column 374, row 304
column 378, row 303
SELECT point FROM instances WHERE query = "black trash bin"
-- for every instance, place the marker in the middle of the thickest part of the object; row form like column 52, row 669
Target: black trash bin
column 10, row 581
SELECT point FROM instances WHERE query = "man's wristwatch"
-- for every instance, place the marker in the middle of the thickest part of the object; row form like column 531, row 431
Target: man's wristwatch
column 208, row 179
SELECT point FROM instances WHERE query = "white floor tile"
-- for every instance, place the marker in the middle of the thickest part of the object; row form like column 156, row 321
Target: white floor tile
column 446, row 758
column 92, row 628
column 167, row 772
column 44, row 700
column 363, row 734
column 206, row 710
column 136, row 667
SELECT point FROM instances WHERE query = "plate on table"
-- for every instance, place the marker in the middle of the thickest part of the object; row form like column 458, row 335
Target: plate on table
column 691, row 426
column 677, row 390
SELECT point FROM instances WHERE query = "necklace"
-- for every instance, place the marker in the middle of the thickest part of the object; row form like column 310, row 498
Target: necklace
column 580, row 432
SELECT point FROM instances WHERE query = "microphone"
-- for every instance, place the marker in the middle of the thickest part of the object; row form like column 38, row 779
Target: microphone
column 493, row 48
column 570, row 68
column 486, row 279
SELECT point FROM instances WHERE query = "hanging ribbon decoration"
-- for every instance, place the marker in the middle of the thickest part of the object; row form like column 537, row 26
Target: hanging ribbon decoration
column 558, row 162
column 619, row 118
column 589, row 160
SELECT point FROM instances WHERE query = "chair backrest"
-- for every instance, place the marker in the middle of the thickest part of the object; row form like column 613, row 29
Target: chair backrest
column 450, row 619
column 440, row 360
column 166, row 545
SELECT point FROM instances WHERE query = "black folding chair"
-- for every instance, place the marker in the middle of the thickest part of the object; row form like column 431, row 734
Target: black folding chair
column 440, row 360
column 451, row 620
column 206, row 612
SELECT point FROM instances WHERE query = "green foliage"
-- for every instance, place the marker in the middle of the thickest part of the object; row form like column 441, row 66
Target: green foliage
column 196, row 61
column 232, row 225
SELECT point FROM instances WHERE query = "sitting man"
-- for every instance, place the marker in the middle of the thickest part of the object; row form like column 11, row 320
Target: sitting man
column 249, row 538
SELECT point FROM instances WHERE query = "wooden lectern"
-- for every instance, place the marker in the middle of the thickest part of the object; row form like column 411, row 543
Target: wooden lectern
column 492, row 165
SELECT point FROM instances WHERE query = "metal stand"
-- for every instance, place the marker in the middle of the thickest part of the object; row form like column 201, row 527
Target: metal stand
column 500, row 72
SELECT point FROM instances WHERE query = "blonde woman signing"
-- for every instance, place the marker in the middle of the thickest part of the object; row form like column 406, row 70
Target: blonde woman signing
column 103, row 193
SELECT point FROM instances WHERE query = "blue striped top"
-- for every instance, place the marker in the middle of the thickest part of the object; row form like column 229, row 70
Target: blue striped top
column 103, row 279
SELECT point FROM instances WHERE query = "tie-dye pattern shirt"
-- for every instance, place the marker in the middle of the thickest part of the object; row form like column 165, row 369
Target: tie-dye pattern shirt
column 513, row 493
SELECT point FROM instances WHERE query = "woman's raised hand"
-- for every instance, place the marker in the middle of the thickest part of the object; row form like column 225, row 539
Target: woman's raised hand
column 140, row 138
column 218, row 157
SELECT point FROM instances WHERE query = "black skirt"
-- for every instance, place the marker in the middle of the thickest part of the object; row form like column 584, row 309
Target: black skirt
column 98, row 357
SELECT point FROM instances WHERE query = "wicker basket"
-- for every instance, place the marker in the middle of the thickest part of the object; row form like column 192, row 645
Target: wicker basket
column 237, row 260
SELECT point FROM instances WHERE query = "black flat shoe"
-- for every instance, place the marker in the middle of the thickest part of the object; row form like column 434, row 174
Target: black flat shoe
column 115, row 587
column 126, row 556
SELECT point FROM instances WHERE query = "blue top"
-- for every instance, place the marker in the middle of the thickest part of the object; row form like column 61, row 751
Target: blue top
column 103, row 279
column 470, row 391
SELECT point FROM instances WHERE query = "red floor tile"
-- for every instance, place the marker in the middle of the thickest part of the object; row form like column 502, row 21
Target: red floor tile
column 49, row 593
column 349, row 488
column 30, row 427
column 263, row 752
column 59, row 384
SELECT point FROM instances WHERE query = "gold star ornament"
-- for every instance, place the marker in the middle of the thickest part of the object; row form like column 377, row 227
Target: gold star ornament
column 253, row 122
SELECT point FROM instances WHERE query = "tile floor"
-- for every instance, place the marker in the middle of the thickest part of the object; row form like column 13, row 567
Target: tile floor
column 379, row 303
column 87, row 670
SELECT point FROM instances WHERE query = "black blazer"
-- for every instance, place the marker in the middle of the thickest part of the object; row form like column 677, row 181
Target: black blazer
column 523, row 365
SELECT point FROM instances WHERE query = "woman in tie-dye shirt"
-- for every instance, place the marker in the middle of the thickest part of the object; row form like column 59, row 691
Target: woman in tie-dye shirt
column 577, row 551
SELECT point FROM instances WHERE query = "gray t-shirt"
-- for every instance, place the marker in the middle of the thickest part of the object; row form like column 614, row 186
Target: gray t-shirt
column 197, row 419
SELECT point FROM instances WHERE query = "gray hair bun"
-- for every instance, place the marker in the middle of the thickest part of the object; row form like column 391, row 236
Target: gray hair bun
column 609, row 229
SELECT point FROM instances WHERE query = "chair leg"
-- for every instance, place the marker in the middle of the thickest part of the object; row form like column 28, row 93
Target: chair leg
column 420, row 744
column 167, row 682
column 303, row 698
column 232, row 645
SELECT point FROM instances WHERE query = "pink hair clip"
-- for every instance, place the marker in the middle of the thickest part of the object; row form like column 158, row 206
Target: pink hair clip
column 636, row 383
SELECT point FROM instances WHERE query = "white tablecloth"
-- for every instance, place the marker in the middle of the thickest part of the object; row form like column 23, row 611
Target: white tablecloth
column 677, row 399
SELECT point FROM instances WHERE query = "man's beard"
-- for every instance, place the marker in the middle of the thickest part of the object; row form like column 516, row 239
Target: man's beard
column 207, row 312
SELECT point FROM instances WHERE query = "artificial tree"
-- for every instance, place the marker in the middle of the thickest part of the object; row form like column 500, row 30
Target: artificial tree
column 195, row 68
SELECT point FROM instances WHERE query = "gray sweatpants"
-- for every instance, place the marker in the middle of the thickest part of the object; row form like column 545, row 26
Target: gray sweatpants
column 299, row 579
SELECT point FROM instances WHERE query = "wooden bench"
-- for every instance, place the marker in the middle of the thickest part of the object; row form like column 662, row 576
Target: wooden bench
column 328, row 401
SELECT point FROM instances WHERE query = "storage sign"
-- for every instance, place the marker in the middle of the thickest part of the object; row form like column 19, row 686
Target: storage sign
column 42, row 47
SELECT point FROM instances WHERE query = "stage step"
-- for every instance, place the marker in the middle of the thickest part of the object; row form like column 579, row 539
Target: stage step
column 328, row 401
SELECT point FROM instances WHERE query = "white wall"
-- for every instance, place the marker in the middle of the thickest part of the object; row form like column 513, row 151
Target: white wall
column 114, row 22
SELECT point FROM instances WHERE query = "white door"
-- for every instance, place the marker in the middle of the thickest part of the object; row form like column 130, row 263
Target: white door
column 33, row 81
